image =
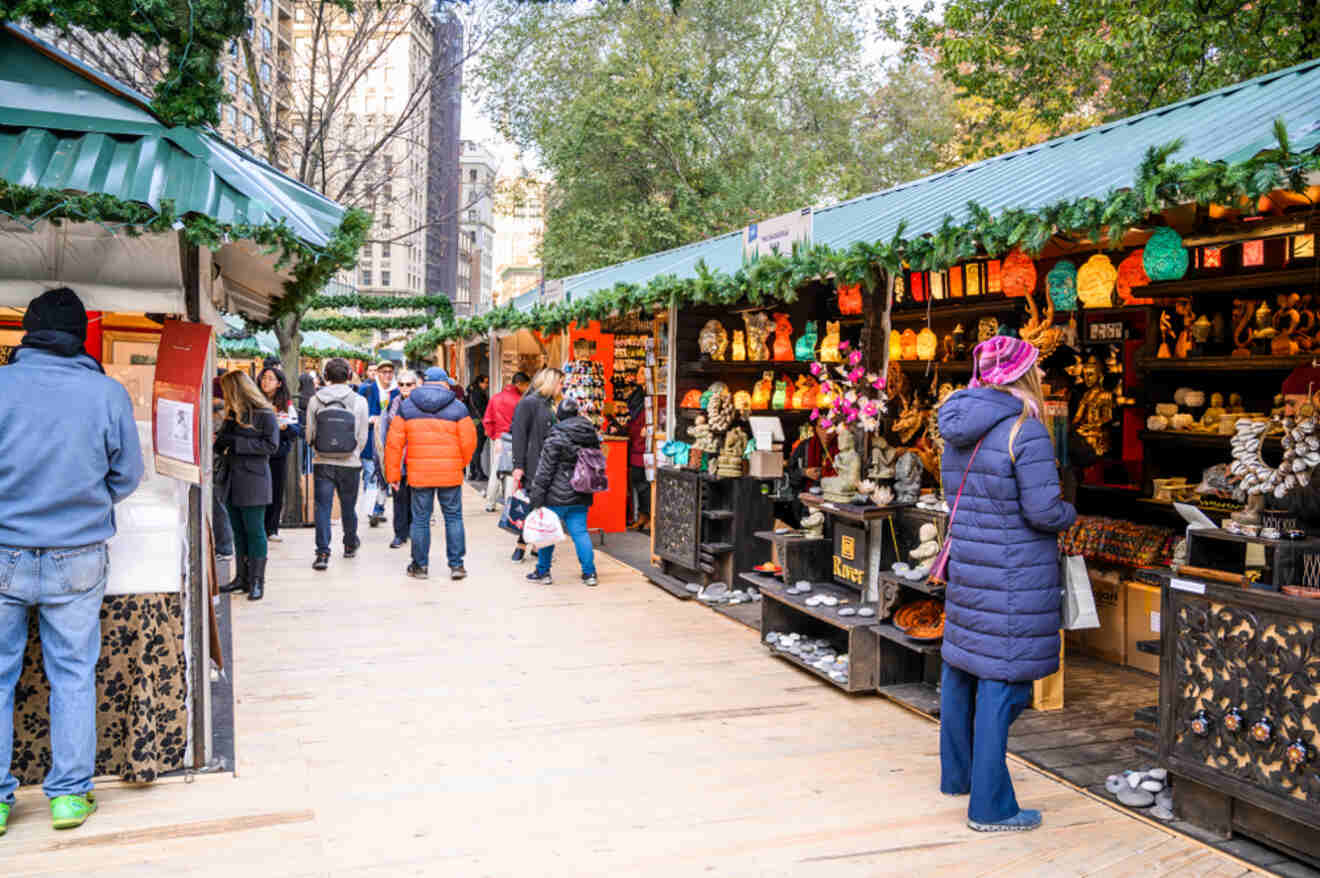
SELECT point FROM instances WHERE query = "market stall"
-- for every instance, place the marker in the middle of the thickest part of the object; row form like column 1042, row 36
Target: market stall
column 153, row 291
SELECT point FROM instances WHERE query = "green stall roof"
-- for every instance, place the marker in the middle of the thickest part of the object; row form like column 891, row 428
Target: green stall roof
column 1232, row 124
column 66, row 126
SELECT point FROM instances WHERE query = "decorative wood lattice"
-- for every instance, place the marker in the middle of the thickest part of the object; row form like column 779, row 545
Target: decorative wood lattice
column 677, row 517
column 1246, row 696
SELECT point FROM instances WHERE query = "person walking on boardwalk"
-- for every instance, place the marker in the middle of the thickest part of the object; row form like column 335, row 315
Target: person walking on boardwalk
column 553, row 489
column 532, row 420
column 402, row 522
column 337, row 432
column 1003, row 600
column 379, row 391
column 497, row 421
column 433, row 437
column 73, row 427
column 249, row 437
column 276, row 390
column 478, row 398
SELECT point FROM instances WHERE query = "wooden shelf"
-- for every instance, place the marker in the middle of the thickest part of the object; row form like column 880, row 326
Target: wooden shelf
column 925, row 586
column 1224, row 364
column 976, row 306
column 792, row 537
column 756, row 413
column 717, row 514
column 889, row 632
column 776, row 591
column 719, row 368
column 1231, row 283
column 952, row 367
column 1203, row 440
column 794, row 660
column 717, row 548
column 921, row 697
column 848, row 511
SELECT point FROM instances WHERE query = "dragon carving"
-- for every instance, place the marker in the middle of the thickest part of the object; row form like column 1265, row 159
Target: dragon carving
column 1041, row 332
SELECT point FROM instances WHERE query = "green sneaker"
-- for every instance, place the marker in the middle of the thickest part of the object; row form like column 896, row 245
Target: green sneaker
column 4, row 818
column 70, row 812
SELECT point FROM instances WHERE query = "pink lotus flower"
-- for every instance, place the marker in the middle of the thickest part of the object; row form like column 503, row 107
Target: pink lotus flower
column 816, row 369
column 844, row 347
column 827, row 423
column 854, row 358
column 879, row 383
column 815, row 413
column 856, row 375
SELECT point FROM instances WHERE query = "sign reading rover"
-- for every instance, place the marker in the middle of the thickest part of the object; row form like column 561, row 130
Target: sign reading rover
column 849, row 563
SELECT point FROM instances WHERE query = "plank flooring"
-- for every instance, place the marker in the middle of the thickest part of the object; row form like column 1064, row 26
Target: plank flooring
column 392, row 727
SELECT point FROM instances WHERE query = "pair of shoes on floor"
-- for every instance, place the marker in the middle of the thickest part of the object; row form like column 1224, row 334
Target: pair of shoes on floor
column 397, row 542
column 1023, row 821
column 66, row 812
column 322, row 561
column 417, row 571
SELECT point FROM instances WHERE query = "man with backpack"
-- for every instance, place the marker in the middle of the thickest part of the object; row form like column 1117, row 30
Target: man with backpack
column 337, row 432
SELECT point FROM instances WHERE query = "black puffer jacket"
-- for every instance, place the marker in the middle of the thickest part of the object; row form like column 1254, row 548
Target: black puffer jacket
column 532, row 420
column 554, row 474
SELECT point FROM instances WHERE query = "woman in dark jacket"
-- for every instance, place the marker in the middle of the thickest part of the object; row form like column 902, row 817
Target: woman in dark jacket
column 553, row 489
column 638, row 485
column 532, row 420
column 276, row 390
column 1003, row 602
column 248, row 437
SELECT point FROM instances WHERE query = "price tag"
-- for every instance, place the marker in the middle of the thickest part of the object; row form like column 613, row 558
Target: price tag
column 1187, row 585
column 1155, row 622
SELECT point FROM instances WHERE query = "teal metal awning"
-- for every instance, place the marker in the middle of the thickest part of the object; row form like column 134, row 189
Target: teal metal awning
column 1230, row 124
column 65, row 126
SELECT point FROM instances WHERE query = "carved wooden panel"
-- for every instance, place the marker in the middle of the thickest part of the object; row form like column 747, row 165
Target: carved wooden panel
column 1246, row 696
column 677, row 516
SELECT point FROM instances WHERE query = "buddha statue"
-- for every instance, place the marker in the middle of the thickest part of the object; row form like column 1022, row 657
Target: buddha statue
column 703, row 439
column 1095, row 410
column 842, row 488
column 805, row 347
column 883, row 458
column 730, row 461
column 1213, row 412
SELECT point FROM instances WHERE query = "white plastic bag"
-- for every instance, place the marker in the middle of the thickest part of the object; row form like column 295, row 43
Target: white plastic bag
column 1078, row 598
column 543, row 528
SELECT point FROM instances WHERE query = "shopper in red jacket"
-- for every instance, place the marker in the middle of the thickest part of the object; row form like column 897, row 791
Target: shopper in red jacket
column 498, row 419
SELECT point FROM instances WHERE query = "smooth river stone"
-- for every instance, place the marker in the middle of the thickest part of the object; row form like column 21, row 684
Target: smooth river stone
column 847, row 611
column 1136, row 798
column 1157, row 773
column 1152, row 786
column 1114, row 783
column 866, row 611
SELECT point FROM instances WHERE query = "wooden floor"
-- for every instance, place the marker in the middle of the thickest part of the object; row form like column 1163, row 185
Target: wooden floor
column 390, row 727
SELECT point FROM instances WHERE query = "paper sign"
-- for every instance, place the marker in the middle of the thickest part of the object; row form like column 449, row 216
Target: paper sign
column 1194, row 517
column 777, row 234
column 1187, row 585
column 1155, row 622
column 174, row 429
column 1255, row 555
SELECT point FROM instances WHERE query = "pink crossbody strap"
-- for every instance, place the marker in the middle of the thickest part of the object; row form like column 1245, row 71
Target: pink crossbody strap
column 942, row 562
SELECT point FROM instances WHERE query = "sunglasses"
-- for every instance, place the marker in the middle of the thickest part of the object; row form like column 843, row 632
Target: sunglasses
column 407, row 383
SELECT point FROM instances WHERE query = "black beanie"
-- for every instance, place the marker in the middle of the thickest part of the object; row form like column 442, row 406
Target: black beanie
column 59, row 309
column 568, row 408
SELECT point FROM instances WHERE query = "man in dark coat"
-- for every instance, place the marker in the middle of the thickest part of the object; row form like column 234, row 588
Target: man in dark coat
column 478, row 397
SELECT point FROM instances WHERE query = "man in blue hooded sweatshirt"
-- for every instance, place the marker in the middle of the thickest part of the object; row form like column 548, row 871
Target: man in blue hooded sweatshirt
column 69, row 452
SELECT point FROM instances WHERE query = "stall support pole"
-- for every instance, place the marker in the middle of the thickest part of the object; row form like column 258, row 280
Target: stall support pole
column 197, row 590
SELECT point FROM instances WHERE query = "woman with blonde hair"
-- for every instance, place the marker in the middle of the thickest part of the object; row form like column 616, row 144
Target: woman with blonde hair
column 247, row 439
column 532, row 420
column 1001, row 563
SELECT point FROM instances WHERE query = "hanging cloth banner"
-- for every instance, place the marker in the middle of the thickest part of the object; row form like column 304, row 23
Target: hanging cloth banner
column 778, row 233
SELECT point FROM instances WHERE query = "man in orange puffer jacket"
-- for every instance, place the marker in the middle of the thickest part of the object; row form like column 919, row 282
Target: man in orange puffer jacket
column 434, row 435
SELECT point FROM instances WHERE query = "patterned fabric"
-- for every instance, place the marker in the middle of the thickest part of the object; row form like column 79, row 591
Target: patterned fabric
column 141, row 682
column 1116, row 541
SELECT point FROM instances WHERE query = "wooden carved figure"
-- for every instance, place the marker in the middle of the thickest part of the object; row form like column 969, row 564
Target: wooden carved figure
column 829, row 346
column 1242, row 311
column 1183, row 345
column 783, row 338
column 1039, row 331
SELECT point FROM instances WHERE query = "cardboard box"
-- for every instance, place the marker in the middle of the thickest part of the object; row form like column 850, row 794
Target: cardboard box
column 1109, row 641
column 767, row 464
column 1143, row 623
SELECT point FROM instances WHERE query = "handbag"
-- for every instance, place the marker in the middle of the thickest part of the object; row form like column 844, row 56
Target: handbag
column 516, row 509
column 1078, row 598
column 937, row 572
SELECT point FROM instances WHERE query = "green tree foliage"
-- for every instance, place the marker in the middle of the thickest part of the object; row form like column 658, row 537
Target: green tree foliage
column 1067, row 65
column 661, row 128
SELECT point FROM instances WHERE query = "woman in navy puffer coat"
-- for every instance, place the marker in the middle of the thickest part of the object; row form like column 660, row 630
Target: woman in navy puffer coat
column 1003, row 600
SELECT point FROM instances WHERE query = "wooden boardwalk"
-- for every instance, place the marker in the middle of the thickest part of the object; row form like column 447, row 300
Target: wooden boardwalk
column 390, row 727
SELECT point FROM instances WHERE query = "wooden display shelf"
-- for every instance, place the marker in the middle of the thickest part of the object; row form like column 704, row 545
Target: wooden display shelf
column 748, row 614
column 1229, row 283
column 772, row 587
column 957, row 308
column 925, row 586
column 717, row 368
column 1223, row 364
column 950, row 367
column 671, row 584
column 891, row 633
column 1205, row 440
column 786, row 613
column 849, row 511
column 777, row 413
column 921, row 697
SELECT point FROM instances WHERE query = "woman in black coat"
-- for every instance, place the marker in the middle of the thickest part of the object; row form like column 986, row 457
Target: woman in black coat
column 531, row 424
column 276, row 390
column 247, row 439
column 553, row 489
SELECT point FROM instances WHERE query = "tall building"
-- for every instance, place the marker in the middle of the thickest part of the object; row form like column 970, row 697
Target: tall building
column 478, row 168
column 519, row 230
column 376, row 144
column 443, row 156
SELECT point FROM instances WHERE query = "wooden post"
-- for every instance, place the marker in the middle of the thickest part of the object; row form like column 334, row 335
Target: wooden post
column 197, row 591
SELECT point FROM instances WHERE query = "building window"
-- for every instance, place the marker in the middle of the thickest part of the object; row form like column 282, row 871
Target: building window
column 366, row 277
column 384, row 277
column 248, row 124
column 299, row 14
column 472, row 176
column 233, row 83
column 265, row 72
column 265, row 38
column 267, row 8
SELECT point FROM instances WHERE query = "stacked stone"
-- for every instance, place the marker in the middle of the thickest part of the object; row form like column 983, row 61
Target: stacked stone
column 1148, row 788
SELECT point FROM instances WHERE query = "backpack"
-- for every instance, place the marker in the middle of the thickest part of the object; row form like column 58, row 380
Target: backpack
column 336, row 429
column 589, row 472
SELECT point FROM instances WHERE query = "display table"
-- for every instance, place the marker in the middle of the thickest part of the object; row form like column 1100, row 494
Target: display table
column 141, row 685
column 1240, row 711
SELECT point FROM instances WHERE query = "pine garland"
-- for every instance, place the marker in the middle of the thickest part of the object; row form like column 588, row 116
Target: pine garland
column 248, row 351
column 777, row 277
column 350, row 324
column 363, row 302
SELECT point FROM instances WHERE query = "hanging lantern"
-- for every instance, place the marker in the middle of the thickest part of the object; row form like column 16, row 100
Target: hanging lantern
column 918, row 284
column 973, row 284
column 895, row 345
column 956, row 282
column 1132, row 273
column 1253, row 253
column 908, row 344
column 1019, row 274
column 900, row 289
column 1095, row 282
column 1303, row 247
column 994, row 277
column 1212, row 257
column 938, row 290
column 1165, row 257
column 927, row 342
column 739, row 346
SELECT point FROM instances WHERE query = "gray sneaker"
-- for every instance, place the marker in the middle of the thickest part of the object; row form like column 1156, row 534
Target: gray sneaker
column 457, row 573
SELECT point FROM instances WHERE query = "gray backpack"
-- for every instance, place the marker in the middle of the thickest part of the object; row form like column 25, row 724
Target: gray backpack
column 336, row 429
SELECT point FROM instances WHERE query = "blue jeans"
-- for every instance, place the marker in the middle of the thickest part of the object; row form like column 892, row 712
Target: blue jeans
column 66, row 587
column 330, row 479
column 975, row 715
column 370, row 472
column 451, row 506
column 574, row 519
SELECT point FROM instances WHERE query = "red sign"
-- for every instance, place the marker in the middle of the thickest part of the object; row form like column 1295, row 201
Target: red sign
column 181, row 389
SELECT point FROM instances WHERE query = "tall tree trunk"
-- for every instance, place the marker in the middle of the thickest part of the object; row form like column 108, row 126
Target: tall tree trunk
column 288, row 331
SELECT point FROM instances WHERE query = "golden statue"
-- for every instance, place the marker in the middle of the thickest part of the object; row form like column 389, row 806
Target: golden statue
column 1095, row 410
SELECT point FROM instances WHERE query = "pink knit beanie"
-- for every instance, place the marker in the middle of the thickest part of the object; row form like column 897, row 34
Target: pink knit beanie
column 1001, row 360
